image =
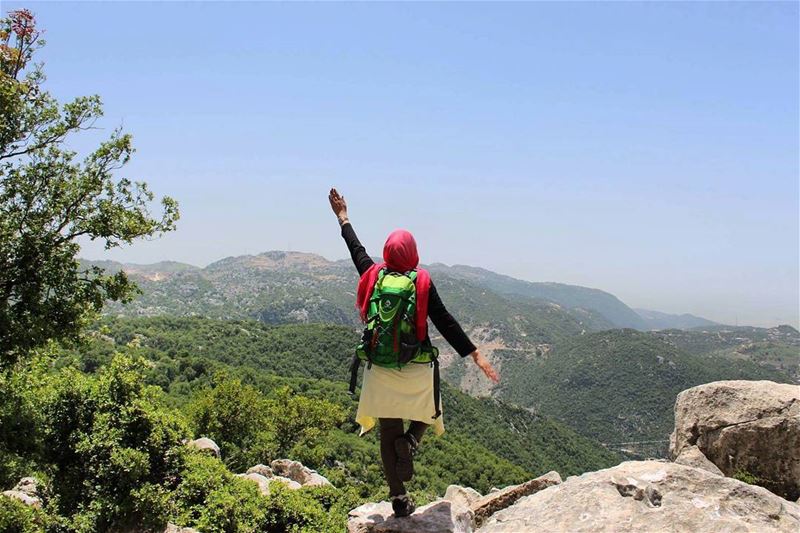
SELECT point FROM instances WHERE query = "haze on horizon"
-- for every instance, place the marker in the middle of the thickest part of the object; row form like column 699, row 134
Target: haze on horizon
column 648, row 150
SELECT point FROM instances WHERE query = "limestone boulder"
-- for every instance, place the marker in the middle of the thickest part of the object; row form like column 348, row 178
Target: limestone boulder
column 264, row 470
column 463, row 496
column 31, row 501
column 27, row 490
column 649, row 496
column 440, row 516
column 172, row 528
column 296, row 471
column 204, row 444
column 261, row 481
column 487, row 505
column 692, row 456
column 748, row 427
column 29, row 485
column 292, row 484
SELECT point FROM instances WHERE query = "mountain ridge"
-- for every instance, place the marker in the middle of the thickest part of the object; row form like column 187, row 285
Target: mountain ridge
column 579, row 299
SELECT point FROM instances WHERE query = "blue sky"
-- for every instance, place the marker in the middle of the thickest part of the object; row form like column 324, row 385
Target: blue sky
column 650, row 150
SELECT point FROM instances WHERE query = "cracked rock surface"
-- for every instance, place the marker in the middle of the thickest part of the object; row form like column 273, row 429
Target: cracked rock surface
column 649, row 496
column 744, row 426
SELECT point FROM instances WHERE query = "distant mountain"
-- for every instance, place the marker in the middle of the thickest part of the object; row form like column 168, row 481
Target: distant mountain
column 609, row 307
column 247, row 280
column 658, row 320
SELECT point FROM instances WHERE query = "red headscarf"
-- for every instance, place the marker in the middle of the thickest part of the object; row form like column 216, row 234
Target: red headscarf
column 400, row 255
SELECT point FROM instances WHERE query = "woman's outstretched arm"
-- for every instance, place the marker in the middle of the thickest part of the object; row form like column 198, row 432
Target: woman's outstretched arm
column 454, row 334
column 358, row 253
column 450, row 329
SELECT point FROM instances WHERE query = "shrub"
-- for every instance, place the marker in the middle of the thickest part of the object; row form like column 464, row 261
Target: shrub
column 746, row 477
column 251, row 428
column 234, row 415
column 112, row 443
column 16, row 517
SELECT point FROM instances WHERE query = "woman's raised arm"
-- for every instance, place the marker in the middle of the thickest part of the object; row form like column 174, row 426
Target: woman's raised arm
column 358, row 253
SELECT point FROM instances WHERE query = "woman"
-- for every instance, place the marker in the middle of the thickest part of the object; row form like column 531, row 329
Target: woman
column 392, row 395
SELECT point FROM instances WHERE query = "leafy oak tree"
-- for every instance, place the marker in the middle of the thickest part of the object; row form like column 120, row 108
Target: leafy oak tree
column 49, row 199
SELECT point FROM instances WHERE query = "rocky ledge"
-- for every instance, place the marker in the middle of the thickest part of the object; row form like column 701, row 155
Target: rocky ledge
column 649, row 496
column 746, row 429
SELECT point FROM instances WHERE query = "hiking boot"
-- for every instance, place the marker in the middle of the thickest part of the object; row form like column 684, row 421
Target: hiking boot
column 402, row 505
column 405, row 447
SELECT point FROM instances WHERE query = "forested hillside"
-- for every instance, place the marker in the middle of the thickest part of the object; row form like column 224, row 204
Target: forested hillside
column 187, row 353
column 620, row 385
column 777, row 348
column 262, row 392
column 547, row 354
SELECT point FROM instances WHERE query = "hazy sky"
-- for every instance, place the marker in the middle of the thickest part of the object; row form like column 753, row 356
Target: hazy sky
column 650, row 150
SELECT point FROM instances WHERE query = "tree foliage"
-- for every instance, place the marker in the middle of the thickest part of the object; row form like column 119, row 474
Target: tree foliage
column 49, row 199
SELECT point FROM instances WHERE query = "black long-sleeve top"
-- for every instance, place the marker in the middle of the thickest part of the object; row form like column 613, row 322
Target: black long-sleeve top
column 441, row 318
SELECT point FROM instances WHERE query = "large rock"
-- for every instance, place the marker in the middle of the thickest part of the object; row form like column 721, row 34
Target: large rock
column 649, row 496
column 28, row 485
column 744, row 426
column 441, row 516
column 264, row 470
column 31, row 501
column 486, row 506
column 26, row 491
column 463, row 496
column 204, row 444
column 292, row 484
column 261, row 481
column 296, row 471
column 692, row 456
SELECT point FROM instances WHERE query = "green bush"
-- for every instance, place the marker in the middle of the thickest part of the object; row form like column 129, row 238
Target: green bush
column 110, row 441
column 251, row 428
column 234, row 416
column 210, row 498
column 746, row 477
column 16, row 517
column 21, row 420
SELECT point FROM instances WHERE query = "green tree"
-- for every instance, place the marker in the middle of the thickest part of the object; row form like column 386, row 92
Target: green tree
column 49, row 199
column 234, row 415
column 113, row 444
column 300, row 423
column 251, row 428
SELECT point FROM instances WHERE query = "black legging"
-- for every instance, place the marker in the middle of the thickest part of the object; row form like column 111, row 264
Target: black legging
column 391, row 429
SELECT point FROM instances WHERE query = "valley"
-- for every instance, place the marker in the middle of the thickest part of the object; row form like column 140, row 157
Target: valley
column 559, row 349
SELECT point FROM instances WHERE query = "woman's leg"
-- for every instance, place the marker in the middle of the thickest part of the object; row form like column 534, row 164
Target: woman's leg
column 406, row 446
column 417, row 429
column 391, row 429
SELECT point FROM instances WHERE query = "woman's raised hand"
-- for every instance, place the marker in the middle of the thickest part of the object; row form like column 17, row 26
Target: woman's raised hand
column 338, row 205
column 485, row 365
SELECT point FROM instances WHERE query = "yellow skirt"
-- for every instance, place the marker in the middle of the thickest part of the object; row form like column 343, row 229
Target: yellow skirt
column 405, row 393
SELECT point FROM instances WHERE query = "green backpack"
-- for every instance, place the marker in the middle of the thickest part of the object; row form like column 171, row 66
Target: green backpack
column 389, row 339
